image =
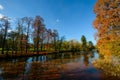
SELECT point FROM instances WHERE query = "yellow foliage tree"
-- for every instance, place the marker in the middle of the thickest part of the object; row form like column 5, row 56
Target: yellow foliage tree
column 107, row 24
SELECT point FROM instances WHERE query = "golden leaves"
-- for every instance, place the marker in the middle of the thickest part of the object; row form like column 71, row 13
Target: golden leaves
column 107, row 23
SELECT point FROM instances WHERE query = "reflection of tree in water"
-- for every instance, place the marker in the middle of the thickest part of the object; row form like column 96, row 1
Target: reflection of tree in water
column 86, row 59
column 39, row 58
column 51, row 68
column 42, row 67
column 12, row 70
column 43, row 71
column 92, row 55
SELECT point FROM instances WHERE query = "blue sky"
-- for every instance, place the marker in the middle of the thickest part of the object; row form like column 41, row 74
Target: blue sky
column 72, row 18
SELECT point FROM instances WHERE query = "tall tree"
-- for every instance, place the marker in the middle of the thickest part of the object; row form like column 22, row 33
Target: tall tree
column 55, row 38
column 90, row 45
column 21, row 30
column 5, row 23
column 38, row 27
column 28, row 21
column 1, row 34
column 84, row 42
column 49, row 39
column 107, row 24
column 42, row 37
column 12, row 35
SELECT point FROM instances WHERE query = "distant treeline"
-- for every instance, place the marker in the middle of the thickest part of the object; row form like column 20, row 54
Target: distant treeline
column 31, row 34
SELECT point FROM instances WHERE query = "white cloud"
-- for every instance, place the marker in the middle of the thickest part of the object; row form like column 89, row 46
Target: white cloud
column 9, row 30
column 1, row 15
column 1, row 7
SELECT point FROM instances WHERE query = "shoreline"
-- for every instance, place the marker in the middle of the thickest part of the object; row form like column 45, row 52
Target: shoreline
column 29, row 54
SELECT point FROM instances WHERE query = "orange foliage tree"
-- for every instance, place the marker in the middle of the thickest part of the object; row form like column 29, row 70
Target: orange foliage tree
column 38, row 27
column 107, row 24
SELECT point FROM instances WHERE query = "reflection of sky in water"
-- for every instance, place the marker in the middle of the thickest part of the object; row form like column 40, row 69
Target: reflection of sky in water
column 28, row 65
column 29, row 60
column 93, row 57
column 96, row 55
column 27, row 68
column 33, row 59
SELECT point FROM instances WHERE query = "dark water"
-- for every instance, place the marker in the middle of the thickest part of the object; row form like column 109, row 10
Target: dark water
column 61, row 66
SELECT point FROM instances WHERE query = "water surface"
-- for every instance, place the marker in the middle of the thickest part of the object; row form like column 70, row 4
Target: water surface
column 61, row 66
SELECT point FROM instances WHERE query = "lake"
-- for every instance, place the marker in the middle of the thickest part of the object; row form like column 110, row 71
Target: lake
column 61, row 66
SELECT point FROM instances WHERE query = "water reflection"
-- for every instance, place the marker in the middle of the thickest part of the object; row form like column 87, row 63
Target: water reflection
column 86, row 59
column 59, row 66
column 12, row 70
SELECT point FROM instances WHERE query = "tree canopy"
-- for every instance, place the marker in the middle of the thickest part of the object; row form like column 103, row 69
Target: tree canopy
column 107, row 24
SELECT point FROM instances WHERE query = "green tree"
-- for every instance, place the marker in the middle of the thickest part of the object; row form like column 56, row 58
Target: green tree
column 66, row 46
column 74, row 45
column 12, row 36
column 84, row 42
column 90, row 45
column 60, row 43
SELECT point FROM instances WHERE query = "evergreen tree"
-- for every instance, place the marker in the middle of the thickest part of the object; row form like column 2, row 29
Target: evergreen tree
column 84, row 42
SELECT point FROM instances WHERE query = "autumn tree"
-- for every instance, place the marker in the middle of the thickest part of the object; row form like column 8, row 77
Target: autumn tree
column 48, row 39
column 43, row 37
column 28, row 22
column 21, row 34
column 55, row 39
column 107, row 24
column 38, row 28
